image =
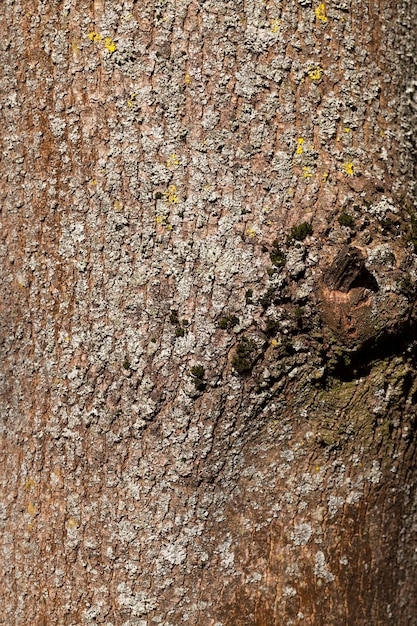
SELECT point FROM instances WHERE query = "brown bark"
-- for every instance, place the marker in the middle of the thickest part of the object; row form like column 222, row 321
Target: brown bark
column 208, row 313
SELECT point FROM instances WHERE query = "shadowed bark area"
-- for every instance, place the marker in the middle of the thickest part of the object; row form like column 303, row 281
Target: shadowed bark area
column 207, row 316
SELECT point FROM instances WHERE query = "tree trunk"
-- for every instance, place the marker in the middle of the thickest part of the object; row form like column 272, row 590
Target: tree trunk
column 208, row 321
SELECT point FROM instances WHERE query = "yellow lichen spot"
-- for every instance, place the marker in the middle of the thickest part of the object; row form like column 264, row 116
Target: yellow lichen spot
column 67, row 338
column 170, row 195
column 320, row 12
column 72, row 522
column 347, row 130
column 325, row 176
column 165, row 18
column 307, row 173
column 315, row 73
column 317, row 468
column 300, row 143
column 187, row 79
column 29, row 484
column 108, row 41
column 31, row 508
column 131, row 100
column 274, row 343
column 118, row 205
column 275, row 24
column 381, row 132
column 20, row 285
column 109, row 44
column 94, row 182
column 75, row 47
column 173, row 161
column 96, row 37
column 251, row 232
column 163, row 220
column 349, row 168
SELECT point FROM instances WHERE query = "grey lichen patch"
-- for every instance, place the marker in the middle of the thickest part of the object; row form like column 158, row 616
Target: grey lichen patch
column 150, row 154
column 301, row 534
column 320, row 568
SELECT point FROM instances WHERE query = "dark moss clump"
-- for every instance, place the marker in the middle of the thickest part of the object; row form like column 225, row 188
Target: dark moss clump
column 245, row 356
column 268, row 297
column 173, row 317
column 345, row 219
column 228, row 322
column 276, row 255
column 271, row 327
column 180, row 329
column 249, row 296
column 300, row 232
column 198, row 373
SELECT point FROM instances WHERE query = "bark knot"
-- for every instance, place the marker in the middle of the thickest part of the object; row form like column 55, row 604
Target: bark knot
column 348, row 270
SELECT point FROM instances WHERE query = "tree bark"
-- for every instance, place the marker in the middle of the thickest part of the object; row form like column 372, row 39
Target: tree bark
column 208, row 324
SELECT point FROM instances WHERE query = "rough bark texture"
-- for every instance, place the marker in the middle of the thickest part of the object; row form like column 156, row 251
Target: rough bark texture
column 207, row 317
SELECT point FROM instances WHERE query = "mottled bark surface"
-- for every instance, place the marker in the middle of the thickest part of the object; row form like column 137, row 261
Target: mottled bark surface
column 208, row 279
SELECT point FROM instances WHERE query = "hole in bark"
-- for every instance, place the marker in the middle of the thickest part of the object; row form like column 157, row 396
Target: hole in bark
column 348, row 271
column 348, row 366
